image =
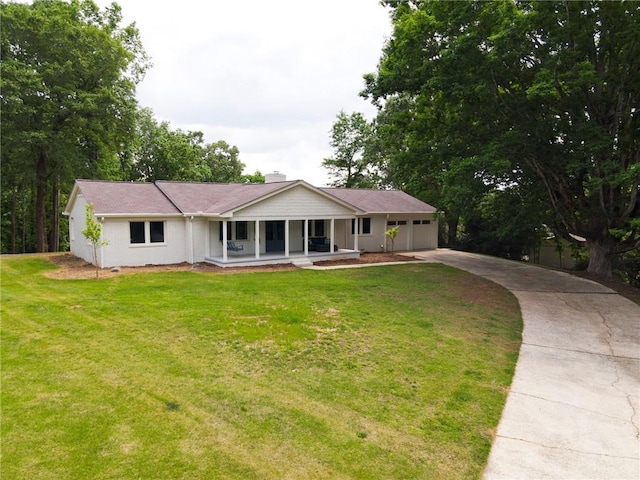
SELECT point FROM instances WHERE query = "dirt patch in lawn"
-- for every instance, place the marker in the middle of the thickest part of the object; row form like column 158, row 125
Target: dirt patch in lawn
column 72, row 267
column 367, row 258
column 75, row 268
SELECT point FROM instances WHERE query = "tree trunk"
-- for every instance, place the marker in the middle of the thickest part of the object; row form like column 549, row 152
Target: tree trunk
column 25, row 201
column 55, row 217
column 41, row 191
column 14, row 220
column 600, row 257
column 452, row 234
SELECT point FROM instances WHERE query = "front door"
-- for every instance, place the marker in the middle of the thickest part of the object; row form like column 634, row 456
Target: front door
column 275, row 236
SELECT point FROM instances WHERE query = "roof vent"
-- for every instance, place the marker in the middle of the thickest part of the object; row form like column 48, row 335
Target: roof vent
column 275, row 177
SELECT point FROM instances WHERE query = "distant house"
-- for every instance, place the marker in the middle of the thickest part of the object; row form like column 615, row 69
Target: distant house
column 243, row 224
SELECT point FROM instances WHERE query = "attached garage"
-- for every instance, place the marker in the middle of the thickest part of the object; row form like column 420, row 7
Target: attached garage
column 423, row 234
column 417, row 221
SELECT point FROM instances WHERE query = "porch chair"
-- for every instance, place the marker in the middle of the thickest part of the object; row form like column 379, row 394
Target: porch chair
column 233, row 247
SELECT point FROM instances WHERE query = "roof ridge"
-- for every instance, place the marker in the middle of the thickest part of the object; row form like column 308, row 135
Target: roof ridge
column 107, row 181
column 377, row 190
column 166, row 195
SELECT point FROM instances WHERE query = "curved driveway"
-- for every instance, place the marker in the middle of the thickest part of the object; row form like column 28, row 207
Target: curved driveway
column 573, row 411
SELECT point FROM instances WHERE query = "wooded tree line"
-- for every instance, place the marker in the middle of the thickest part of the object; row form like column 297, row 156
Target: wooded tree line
column 69, row 73
column 512, row 117
column 515, row 118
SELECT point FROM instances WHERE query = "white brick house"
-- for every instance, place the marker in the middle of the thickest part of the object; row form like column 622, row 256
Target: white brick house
column 243, row 224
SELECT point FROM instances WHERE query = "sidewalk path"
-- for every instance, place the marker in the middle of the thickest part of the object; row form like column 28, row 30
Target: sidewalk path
column 573, row 411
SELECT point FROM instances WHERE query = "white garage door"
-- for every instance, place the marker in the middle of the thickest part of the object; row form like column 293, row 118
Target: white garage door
column 421, row 234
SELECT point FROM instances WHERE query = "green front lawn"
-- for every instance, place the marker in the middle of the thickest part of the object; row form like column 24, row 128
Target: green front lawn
column 393, row 372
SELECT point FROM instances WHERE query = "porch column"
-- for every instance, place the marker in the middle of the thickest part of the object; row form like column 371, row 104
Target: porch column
column 332, row 233
column 224, row 240
column 306, row 237
column 356, row 233
column 256, row 240
column 286, row 237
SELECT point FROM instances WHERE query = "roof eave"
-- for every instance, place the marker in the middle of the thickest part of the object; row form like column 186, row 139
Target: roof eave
column 402, row 212
column 72, row 199
column 229, row 213
column 139, row 215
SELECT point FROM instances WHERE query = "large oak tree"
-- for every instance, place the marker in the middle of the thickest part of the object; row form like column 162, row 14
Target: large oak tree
column 69, row 72
column 527, row 92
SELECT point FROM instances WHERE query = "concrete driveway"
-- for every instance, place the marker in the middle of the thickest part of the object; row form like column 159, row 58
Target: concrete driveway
column 573, row 411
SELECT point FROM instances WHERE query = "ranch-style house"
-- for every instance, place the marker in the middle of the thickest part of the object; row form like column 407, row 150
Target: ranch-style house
column 243, row 224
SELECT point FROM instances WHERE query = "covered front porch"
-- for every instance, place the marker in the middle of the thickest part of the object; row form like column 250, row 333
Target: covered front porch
column 262, row 242
column 297, row 258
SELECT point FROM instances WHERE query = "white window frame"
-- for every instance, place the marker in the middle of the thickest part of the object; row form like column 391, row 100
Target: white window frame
column 147, row 234
column 361, row 231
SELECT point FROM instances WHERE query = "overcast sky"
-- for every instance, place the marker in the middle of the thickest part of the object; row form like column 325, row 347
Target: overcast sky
column 267, row 76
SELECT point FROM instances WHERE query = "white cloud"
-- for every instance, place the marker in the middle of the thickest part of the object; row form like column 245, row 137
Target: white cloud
column 268, row 77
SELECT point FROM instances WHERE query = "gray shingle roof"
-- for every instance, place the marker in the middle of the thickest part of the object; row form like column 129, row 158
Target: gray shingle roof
column 113, row 198
column 215, row 198
column 175, row 198
column 381, row 201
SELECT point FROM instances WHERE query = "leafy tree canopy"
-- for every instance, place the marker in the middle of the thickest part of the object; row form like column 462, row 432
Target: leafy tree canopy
column 350, row 166
column 69, row 72
column 160, row 153
column 256, row 177
column 530, row 94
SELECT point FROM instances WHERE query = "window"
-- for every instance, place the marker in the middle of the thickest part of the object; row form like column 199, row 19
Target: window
column 426, row 222
column 416, row 222
column 402, row 222
column 241, row 231
column 391, row 223
column 365, row 226
column 423, row 222
column 136, row 231
column 156, row 232
column 318, row 228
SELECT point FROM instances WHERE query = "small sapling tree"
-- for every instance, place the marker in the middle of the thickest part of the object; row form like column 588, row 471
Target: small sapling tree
column 93, row 234
column 391, row 234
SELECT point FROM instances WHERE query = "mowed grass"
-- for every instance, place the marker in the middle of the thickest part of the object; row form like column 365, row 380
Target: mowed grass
column 392, row 372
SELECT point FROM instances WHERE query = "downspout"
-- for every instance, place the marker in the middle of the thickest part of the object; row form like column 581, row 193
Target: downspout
column 384, row 235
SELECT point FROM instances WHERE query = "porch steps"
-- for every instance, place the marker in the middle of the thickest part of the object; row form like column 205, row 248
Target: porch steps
column 302, row 263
